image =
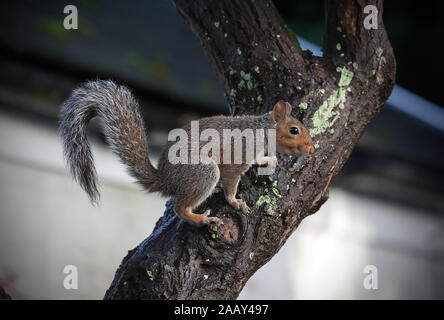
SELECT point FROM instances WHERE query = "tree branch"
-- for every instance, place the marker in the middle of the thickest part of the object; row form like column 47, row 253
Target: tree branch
column 259, row 61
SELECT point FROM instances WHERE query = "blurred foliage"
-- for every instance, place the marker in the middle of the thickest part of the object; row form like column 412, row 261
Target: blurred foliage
column 415, row 31
column 52, row 27
column 157, row 68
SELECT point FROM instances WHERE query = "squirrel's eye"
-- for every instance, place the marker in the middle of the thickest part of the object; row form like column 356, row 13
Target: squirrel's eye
column 294, row 131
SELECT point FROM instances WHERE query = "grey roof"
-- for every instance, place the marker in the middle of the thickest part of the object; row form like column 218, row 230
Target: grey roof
column 147, row 43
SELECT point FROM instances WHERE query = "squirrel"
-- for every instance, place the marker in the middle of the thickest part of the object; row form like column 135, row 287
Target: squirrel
column 188, row 184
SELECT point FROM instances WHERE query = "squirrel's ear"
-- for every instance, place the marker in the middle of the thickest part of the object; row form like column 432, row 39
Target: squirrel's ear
column 280, row 110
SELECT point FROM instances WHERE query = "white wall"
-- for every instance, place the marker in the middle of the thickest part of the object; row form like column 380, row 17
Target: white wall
column 326, row 256
column 47, row 222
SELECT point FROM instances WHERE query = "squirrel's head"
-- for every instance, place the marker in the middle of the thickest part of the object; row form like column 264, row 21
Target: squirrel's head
column 291, row 135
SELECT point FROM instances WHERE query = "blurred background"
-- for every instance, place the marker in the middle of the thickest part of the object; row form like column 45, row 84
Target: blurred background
column 386, row 208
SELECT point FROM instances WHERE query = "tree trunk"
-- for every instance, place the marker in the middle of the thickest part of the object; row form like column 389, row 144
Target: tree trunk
column 259, row 61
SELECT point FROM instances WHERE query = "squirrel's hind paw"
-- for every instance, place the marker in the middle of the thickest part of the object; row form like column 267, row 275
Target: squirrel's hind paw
column 211, row 220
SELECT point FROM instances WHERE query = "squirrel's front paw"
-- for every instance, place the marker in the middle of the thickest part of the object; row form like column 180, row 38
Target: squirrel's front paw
column 240, row 204
column 243, row 206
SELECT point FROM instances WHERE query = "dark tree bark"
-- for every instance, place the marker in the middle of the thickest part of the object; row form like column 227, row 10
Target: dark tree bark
column 259, row 61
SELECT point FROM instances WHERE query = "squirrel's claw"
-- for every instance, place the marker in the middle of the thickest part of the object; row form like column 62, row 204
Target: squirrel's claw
column 240, row 204
column 211, row 220
column 243, row 206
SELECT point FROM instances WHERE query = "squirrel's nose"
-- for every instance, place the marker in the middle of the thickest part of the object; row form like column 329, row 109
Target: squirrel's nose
column 310, row 149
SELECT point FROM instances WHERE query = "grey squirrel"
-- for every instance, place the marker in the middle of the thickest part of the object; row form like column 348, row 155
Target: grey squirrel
column 188, row 184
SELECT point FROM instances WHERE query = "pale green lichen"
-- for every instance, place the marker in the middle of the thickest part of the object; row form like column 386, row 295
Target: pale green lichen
column 251, row 255
column 225, row 35
column 245, row 76
column 339, row 29
column 346, row 76
column 216, row 24
column 271, row 202
column 379, row 52
column 271, row 207
column 205, row 276
column 263, row 199
column 303, row 105
column 338, row 46
column 321, row 118
column 256, row 69
column 232, row 71
column 259, row 98
column 326, row 116
column 276, row 192
column 150, row 274
column 239, row 51
column 321, row 91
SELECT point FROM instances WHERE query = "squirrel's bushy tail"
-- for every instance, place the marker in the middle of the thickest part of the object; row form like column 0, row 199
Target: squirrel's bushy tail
column 123, row 128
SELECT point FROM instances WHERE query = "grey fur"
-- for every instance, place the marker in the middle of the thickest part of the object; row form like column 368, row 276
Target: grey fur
column 125, row 132
column 123, row 128
column 201, row 176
